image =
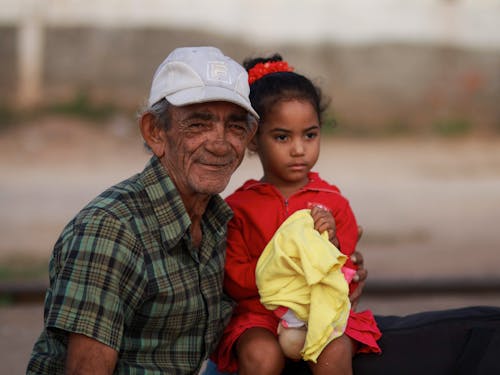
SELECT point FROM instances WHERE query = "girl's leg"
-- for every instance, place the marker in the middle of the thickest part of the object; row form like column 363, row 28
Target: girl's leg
column 336, row 358
column 258, row 352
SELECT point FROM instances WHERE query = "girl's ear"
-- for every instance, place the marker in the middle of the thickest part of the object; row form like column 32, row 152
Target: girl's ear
column 153, row 134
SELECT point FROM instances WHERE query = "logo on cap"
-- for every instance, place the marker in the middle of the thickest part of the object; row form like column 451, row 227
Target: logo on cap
column 218, row 71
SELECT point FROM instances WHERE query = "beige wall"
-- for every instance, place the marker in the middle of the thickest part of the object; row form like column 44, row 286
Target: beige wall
column 385, row 63
column 378, row 85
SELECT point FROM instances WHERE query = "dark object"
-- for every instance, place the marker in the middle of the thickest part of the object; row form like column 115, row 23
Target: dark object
column 456, row 341
column 464, row 341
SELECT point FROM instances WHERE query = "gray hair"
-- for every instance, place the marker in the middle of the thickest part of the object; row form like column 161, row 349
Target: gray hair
column 161, row 112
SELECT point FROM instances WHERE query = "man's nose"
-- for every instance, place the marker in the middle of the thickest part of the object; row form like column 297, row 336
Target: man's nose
column 218, row 142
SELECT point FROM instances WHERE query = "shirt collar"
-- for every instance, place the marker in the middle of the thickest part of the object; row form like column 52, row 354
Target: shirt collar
column 169, row 209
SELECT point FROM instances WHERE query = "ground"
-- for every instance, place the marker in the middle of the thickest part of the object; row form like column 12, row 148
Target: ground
column 430, row 207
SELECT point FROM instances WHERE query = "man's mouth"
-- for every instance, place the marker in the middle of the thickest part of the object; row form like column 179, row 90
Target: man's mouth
column 216, row 164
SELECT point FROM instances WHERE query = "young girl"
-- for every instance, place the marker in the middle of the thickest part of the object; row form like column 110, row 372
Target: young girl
column 287, row 142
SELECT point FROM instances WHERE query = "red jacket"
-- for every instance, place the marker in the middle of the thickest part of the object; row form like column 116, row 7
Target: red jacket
column 259, row 209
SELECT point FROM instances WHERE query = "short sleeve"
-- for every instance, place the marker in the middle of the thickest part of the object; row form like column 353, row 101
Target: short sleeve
column 97, row 278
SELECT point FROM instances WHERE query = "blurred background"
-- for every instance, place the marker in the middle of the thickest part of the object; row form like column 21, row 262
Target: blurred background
column 415, row 95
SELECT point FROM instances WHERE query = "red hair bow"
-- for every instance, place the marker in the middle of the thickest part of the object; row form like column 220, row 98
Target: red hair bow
column 261, row 69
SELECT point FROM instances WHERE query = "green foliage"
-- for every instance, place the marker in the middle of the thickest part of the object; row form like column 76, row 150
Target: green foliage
column 452, row 127
column 22, row 279
column 80, row 106
column 356, row 131
column 22, row 269
column 329, row 125
column 7, row 117
column 396, row 129
column 342, row 129
column 6, row 301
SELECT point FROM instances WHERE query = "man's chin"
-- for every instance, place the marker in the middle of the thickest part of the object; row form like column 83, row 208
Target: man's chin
column 212, row 186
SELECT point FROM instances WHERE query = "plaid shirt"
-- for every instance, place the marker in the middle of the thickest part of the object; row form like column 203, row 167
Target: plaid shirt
column 125, row 273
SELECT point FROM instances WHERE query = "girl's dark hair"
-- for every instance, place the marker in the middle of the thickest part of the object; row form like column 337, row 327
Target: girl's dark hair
column 272, row 88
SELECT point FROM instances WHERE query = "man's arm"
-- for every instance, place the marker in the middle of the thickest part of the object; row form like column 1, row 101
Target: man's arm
column 89, row 356
column 360, row 276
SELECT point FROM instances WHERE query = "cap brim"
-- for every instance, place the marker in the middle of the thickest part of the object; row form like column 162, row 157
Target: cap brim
column 209, row 94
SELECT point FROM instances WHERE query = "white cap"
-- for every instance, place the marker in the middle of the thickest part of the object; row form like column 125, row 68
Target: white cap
column 200, row 74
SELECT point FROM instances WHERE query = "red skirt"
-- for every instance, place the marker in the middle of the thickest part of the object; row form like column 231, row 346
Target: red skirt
column 361, row 327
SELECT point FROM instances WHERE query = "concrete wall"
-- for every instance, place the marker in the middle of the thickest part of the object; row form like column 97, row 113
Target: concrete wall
column 8, row 64
column 378, row 85
column 385, row 63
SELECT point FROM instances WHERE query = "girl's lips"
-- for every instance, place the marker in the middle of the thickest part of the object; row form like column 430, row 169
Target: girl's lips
column 298, row 167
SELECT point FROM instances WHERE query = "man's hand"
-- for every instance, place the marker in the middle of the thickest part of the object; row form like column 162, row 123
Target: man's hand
column 360, row 276
column 324, row 221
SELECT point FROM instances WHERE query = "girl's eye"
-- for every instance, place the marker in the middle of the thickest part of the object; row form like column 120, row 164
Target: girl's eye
column 311, row 135
column 281, row 137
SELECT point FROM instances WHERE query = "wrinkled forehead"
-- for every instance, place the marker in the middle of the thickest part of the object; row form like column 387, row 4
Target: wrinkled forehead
column 213, row 111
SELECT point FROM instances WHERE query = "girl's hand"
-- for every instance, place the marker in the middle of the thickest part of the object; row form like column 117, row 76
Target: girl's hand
column 324, row 221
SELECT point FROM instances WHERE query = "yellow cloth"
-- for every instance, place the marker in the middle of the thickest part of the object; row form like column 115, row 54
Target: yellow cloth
column 301, row 269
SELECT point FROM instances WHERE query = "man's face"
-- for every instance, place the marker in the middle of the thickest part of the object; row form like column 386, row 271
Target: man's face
column 204, row 145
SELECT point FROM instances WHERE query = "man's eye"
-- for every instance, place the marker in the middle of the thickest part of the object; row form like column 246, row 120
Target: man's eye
column 197, row 125
column 237, row 127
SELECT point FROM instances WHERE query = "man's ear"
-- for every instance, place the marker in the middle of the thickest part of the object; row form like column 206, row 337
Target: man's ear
column 153, row 134
column 252, row 146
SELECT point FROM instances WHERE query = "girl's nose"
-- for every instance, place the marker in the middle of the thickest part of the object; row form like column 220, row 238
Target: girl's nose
column 297, row 148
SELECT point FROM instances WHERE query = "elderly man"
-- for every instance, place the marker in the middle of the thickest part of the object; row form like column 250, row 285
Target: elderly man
column 136, row 276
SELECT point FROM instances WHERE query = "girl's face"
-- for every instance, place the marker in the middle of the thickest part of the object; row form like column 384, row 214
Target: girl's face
column 288, row 144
